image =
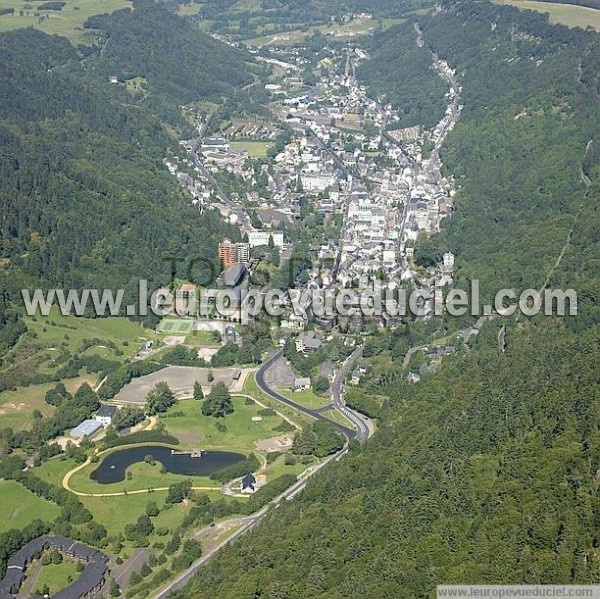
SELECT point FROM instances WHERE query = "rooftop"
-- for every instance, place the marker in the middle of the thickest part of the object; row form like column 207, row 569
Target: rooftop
column 86, row 428
column 106, row 411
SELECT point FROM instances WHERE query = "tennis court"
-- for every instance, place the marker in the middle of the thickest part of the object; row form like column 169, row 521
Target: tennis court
column 175, row 326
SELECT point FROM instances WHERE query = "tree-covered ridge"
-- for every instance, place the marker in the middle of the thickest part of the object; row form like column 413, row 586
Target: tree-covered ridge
column 486, row 472
column 519, row 153
column 399, row 71
column 483, row 474
column 84, row 196
column 178, row 63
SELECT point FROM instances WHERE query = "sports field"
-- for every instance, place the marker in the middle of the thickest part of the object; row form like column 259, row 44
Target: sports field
column 175, row 326
column 256, row 149
column 565, row 14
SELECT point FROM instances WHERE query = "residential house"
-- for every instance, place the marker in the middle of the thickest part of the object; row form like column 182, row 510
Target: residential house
column 248, row 484
column 302, row 384
column 307, row 342
column 106, row 414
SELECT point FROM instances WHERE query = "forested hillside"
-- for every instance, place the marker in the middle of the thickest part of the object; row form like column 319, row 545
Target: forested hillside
column 399, row 71
column 84, row 196
column 172, row 61
column 248, row 19
column 488, row 471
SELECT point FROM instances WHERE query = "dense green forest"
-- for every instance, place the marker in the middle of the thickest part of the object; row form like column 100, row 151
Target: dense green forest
column 174, row 62
column 486, row 472
column 400, row 72
column 84, row 196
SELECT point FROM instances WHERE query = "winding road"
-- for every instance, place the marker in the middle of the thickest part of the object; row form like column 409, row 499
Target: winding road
column 338, row 404
column 364, row 427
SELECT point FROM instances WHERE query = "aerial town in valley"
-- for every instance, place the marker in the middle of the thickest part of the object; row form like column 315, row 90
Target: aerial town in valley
column 336, row 159
column 301, row 279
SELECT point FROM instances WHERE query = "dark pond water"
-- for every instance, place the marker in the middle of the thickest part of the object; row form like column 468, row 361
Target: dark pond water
column 113, row 467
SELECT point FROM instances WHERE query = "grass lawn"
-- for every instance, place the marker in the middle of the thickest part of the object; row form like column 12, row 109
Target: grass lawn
column 251, row 388
column 187, row 10
column 54, row 470
column 256, row 149
column 279, row 468
column 307, row 398
column 201, row 338
column 16, row 407
column 194, row 429
column 136, row 85
column 565, row 14
column 57, row 576
column 67, row 22
column 116, row 512
column 47, row 346
column 115, row 328
column 19, row 507
column 143, row 476
column 338, row 31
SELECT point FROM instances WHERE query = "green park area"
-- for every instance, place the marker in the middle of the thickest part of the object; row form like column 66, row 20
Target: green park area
column 255, row 149
column 52, row 341
column 202, row 338
column 236, row 432
column 53, row 577
column 141, row 476
column 19, row 507
column 68, row 21
column 17, row 407
column 117, row 512
column 62, row 348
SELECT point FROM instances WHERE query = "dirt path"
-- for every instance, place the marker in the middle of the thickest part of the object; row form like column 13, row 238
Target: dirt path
column 67, row 478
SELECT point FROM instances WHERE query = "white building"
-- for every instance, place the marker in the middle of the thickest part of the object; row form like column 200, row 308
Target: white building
column 316, row 181
column 448, row 261
column 256, row 238
column 105, row 414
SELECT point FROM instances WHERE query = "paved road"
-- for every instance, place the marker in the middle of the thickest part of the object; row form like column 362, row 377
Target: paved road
column 264, row 387
column 133, row 564
column 364, row 428
column 247, row 523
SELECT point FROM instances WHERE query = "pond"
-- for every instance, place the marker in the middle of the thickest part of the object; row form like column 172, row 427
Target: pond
column 113, row 467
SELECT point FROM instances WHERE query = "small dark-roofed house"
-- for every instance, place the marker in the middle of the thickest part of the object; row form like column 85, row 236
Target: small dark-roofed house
column 248, row 484
column 273, row 218
column 106, row 414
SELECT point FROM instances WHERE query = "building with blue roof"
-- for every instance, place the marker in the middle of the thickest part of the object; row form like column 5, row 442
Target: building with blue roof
column 87, row 428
